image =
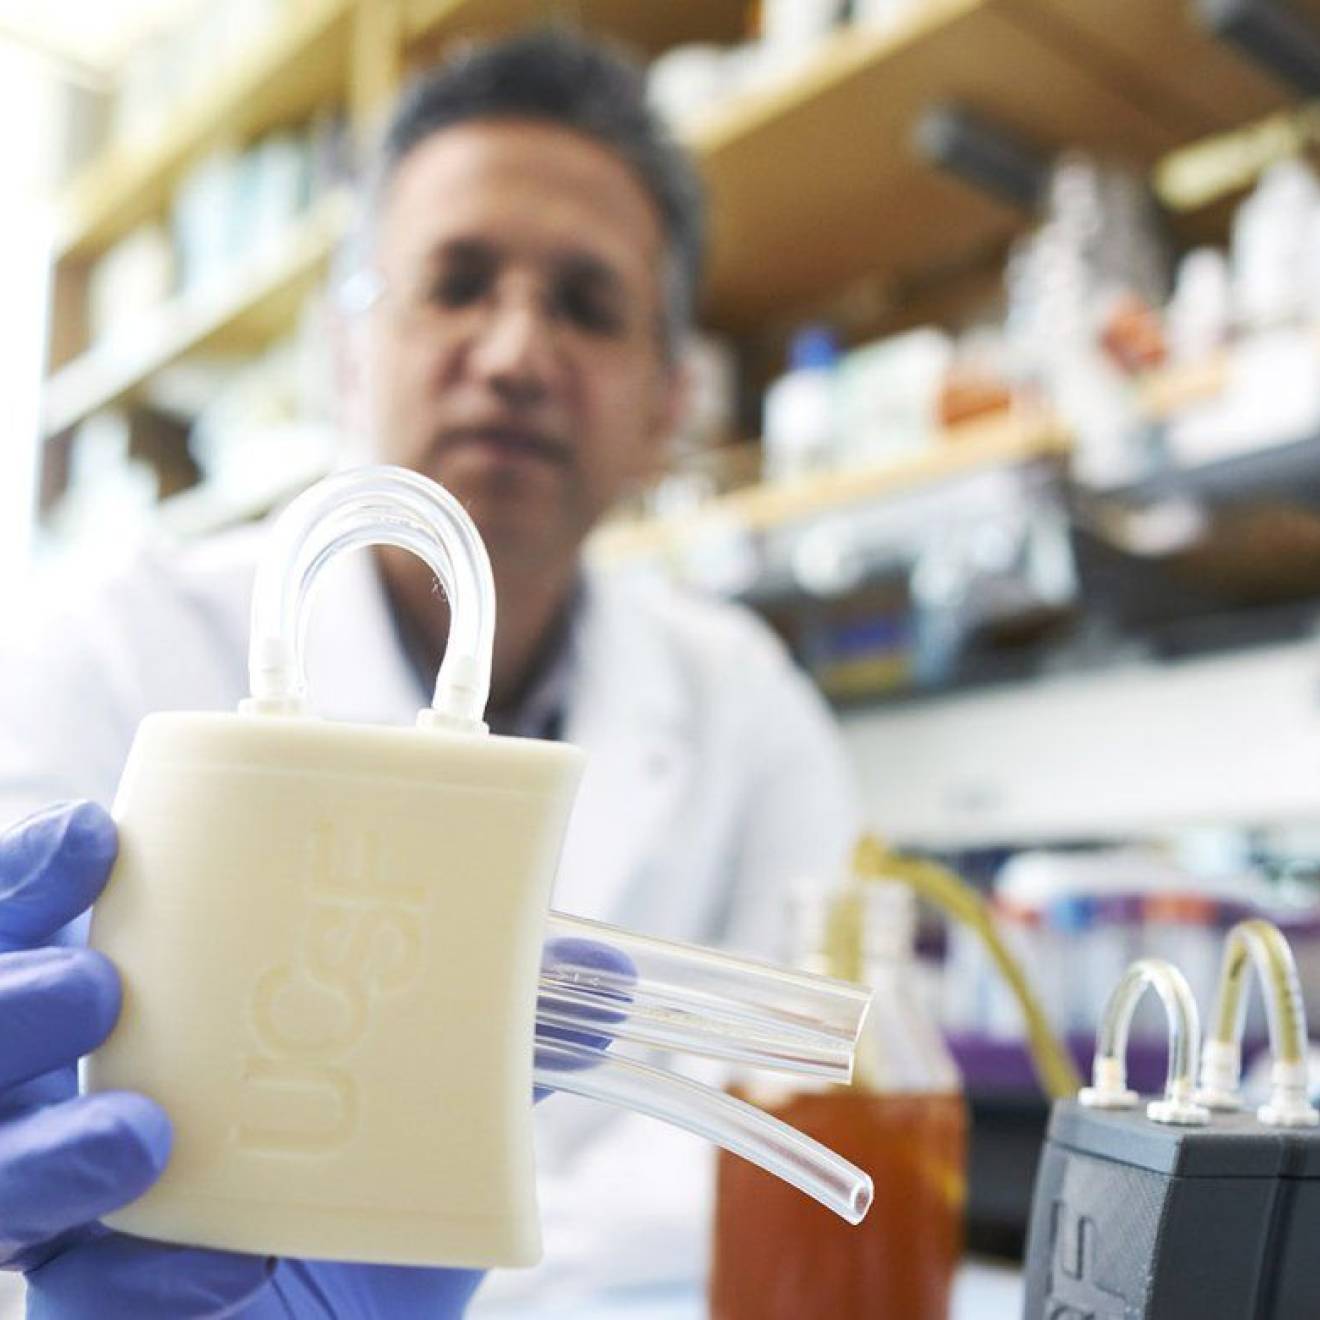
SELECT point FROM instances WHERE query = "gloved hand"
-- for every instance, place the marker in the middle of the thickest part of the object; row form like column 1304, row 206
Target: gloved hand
column 65, row 1159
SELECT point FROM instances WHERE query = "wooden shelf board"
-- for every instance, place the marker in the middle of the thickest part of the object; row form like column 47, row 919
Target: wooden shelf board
column 813, row 179
column 650, row 26
column 252, row 309
column 1164, row 57
column 997, row 441
column 1168, row 391
column 814, row 183
column 304, row 64
column 300, row 66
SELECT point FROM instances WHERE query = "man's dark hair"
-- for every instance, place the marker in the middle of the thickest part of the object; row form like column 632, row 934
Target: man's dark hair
column 558, row 77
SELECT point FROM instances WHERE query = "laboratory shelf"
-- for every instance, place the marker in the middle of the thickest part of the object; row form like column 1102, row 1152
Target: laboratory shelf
column 820, row 201
column 242, row 314
column 1288, row 474
column 1279, row 471
column 819, row 194
column 1165, row 56
column 308, row 62
column 326, row 53
column 972, row 446
column 300, row 65
column 824, row 149
column 1166, row 392
column 646, row 27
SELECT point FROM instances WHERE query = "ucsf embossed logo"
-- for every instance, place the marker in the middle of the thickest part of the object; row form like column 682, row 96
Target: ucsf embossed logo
column 360, row 941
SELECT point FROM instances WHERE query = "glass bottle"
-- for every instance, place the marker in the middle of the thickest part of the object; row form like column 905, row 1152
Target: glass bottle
column 777, row 1255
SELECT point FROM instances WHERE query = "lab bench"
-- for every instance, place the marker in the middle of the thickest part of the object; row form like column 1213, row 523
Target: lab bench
column 985, row 1290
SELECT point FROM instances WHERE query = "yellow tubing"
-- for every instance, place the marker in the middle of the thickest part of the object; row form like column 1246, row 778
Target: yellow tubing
column 959, row 902
column 1261, row 942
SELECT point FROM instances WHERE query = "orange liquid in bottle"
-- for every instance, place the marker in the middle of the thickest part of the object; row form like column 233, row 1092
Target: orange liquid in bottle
column 780, row 1256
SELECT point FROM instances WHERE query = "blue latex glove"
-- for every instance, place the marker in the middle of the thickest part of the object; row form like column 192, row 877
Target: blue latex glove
column 66, row 1159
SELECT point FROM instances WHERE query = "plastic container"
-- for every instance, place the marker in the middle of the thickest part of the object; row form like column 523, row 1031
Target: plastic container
column 1200, row 309
column 331, row 939
column 801, row 424
column 889, row 396
column 338, row 1030
column 1271, row 233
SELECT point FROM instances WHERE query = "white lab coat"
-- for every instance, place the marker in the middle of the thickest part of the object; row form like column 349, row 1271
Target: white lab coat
column 714, row 781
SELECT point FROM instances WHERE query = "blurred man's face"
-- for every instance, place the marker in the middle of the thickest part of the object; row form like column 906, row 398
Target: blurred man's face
column 516, row 354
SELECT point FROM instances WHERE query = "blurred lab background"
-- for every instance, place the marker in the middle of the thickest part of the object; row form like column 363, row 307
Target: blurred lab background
column 1007, row 412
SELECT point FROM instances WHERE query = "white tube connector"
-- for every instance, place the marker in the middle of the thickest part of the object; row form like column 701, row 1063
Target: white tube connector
column 1179, row 1107
column 1109, row 1088
column 1221, row 1070
column 1289, row 1104
column 270, row 662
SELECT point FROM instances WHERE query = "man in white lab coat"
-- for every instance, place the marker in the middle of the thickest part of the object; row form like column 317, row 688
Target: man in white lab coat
column 525, row 278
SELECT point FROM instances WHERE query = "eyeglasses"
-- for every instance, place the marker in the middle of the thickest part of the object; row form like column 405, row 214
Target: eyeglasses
column 582, row 300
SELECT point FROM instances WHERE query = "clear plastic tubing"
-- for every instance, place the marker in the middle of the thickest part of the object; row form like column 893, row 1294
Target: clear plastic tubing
column 1109, row 1088
column 719, row 1118
column 686, row 976
column 703, row 1002
column 1180, row 1008
column 351, row 510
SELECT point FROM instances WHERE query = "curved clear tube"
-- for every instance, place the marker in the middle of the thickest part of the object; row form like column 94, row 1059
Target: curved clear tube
column 1109, row 1087
column 738, row 1127
column 373, row 506
column 1260, row 944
